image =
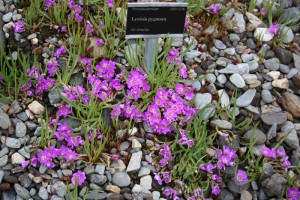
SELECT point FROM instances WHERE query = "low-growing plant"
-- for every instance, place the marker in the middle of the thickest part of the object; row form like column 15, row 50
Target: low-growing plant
column 13, row 73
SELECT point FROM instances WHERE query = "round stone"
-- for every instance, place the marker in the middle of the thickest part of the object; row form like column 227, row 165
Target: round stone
column 121, row 179
column 237, row 80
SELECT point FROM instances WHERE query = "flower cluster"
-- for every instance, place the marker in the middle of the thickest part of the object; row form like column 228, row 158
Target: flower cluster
column 104, row 81
column 165, row 177
column 52, row 67
column 78, row 177
column 63, row 132
column 184, row 140
column 46, row 157
column 76, row 93
column 278, row 155
column 137, row 84
column 173, row 56
column 225, row 157
column 59, row 51
column 127, row 110
column 170, row 192
column 44, row 84
column 168, row 107
column 166, row 154
column 77, row 9
column 90, row 29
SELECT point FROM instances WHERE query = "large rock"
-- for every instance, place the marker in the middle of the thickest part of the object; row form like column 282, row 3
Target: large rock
column 121, row 179
column 255, row 21
column 292, row 139
column 284, row 55
column 263, row 34
column 290, row 15
column 258, row 136
column 36, row 108
column 246, row 98
column 135, row 162
column 270, row 118
column 5, row 122
column 238, row 22
column 274, row 185
column 202, row 100
column 291, row 103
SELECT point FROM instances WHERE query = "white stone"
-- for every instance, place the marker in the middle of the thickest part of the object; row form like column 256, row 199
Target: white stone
column 137, row 188
column 17, row 159
column 237, row 80
column 7, row 17
column 136, row 144
column 281, row 83
column 146, row 182
column 34, row 41
column 135, row 162
column 253, row 19
column 263, row 34
column 274, row 74
column 249, row 78
column 31, row 36
column 225, row 101
column 36, row 108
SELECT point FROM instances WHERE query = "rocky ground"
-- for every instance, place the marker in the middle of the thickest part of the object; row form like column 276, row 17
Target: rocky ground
column 267, row 84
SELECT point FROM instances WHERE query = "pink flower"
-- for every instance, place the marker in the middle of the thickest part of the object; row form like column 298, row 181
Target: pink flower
column 70, row 155
column 18, row 27
column 214, row 9
column 24, row 164
column 293, row 193
column 78, row 177
column 100, row 42
column 241, row 176
column 64, row 111
column 264, row 11
column 215, row 189
column 274, row 29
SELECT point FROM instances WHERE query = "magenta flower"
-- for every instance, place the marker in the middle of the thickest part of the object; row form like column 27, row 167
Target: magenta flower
column 70, row 155
column 78, row 177
column 63, row 29
column 18, row 27
column 264, row 11
column 265, row 151
column 1, row 78
column 183, row 71
column 100, row 42
column 89, row 27
column 241, row 176
column 24, row 164
column 293, row 193
column 214, row 9
column 274, row 28
column 157, row 178
column 60, row 51
column 64, row 111
column 215, row 189
column 33, row 161
column 110, row 3
column 186, row 22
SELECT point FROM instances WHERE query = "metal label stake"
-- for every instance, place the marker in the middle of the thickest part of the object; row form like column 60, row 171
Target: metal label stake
column 150, row 49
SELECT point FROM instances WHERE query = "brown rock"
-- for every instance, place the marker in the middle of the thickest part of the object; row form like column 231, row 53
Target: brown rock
column 245, row 195
column 194, row 31
column 93, row 49
column 37, row 50
column 289, row 116
column 296, row 80
column 291, row 103
column 113, row 188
